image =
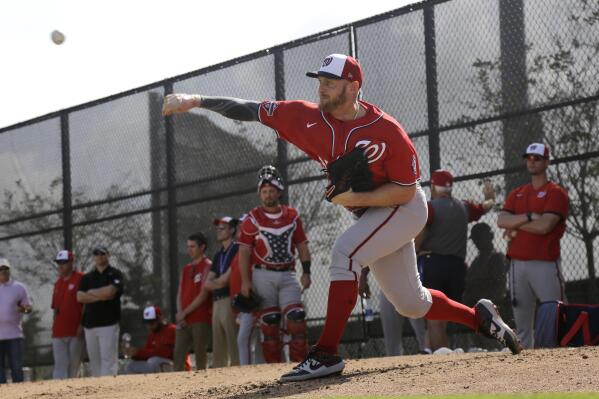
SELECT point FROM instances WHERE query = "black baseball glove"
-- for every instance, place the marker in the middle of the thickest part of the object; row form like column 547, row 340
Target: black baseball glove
column 349, row 171
column 246, row 304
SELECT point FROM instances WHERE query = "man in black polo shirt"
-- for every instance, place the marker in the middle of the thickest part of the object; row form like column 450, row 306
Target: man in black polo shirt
column 224, row 330
column 100, row 291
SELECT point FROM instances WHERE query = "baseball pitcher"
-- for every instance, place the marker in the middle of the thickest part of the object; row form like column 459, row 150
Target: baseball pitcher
column 391, row 210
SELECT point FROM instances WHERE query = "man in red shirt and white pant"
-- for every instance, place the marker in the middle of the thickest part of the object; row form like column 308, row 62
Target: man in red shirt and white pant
column 534, row 216
column 67, row 334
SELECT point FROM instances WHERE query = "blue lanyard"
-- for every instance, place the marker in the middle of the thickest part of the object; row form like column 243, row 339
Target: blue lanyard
column 223, row 259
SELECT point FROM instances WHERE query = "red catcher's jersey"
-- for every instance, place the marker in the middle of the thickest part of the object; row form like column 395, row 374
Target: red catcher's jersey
column 273, row 240
column 549, row 198
column 391, row 154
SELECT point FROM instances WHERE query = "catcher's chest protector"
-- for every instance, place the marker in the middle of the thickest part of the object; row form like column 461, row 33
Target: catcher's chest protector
column 273, row 245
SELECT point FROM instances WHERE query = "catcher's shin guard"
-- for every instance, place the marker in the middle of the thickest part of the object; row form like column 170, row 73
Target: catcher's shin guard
column 270, row 325
column 297, row 328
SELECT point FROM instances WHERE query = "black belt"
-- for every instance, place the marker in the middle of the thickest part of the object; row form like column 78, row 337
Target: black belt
column 275, row 269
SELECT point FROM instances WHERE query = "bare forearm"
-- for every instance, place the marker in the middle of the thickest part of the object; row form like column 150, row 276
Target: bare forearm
column 541, row 224
column 303, row 252
column 198, row 300
column 389, row 194
column 244, row 262
column 86, row 297
column 104, row 293
column 223, row 280
column 511, row 221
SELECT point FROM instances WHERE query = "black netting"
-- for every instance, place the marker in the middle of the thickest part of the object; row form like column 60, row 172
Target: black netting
column 508, row 73
column 396, row 77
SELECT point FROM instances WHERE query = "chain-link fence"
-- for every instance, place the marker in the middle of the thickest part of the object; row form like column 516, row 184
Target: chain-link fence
column 473, row 82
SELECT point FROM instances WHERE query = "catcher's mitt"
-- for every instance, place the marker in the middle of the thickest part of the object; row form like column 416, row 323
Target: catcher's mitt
column 349, row 171
column 246, row 304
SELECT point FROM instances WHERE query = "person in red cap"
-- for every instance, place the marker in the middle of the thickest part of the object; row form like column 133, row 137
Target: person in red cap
column 67, row 333
column 387, row 218
column 224, row 330
column 534, row 218
column 441, row 245
column 157, row 354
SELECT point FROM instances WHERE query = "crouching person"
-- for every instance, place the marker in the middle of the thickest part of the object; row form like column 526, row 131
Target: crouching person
column 157, row 354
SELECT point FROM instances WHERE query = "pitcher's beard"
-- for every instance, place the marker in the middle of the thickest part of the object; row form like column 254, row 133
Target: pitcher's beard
column 333, row 103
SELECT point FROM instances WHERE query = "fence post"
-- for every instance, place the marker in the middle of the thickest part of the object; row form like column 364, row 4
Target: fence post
column 173, row 254
column 282, row 163
column 157, row 178
column 520, row 131
column 432, row 94
column 67, row 205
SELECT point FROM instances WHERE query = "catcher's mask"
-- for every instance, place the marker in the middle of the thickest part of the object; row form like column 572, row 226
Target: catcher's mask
column 269, row 174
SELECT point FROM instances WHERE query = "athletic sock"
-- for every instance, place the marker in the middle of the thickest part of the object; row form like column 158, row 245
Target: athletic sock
column 343, row 296
column 447, row 309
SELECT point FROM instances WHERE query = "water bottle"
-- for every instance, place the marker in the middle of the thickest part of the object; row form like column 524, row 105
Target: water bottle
column 126, row 340
column 368, row 313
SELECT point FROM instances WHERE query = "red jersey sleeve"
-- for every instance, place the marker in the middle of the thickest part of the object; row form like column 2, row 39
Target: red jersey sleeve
column 248, row 231
column 509, row 205
column 53, row 306
column 557, row 202
column 402, row 165
column 431, row 213
column 284, row 117
column 475, row 211
column 299, row 235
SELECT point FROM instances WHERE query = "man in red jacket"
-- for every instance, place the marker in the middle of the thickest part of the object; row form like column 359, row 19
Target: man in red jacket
column 157, row 353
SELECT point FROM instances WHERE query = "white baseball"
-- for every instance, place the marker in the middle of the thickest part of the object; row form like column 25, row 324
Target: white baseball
column 57, row 37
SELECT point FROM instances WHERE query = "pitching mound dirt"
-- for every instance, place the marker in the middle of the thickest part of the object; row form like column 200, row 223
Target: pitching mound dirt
column 559, row 370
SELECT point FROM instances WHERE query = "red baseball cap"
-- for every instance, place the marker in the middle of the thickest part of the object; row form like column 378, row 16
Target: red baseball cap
column 339, row 66
column 537, row 149
column 442, row 178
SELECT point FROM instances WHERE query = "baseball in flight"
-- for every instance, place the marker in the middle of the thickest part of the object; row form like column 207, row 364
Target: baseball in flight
column 57, row 37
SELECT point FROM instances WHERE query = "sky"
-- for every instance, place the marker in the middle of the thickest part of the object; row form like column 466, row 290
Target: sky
column 113, row 46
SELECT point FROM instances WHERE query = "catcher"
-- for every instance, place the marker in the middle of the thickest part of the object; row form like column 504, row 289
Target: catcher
column 390, row 214
column 268, row 239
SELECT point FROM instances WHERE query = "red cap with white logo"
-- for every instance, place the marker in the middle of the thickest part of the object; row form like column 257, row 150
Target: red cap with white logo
column 339, row 66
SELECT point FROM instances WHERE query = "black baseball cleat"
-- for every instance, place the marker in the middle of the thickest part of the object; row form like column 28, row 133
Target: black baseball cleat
column 492, row 325
column 317, row 364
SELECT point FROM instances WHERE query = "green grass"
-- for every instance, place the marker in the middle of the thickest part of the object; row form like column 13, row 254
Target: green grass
column 575, row 395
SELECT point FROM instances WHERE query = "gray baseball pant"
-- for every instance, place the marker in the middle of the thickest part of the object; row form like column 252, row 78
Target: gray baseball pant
column 532, row 280
column 67, row 353
column 393, row 328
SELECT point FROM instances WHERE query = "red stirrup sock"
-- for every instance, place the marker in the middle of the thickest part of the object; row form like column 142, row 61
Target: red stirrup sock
column 447, row 309
column 343, row 296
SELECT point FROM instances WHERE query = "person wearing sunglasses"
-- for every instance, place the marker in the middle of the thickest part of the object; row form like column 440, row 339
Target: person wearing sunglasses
column 100, row 291
column 67, row 333
column 534, row 218
column 14, row 301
